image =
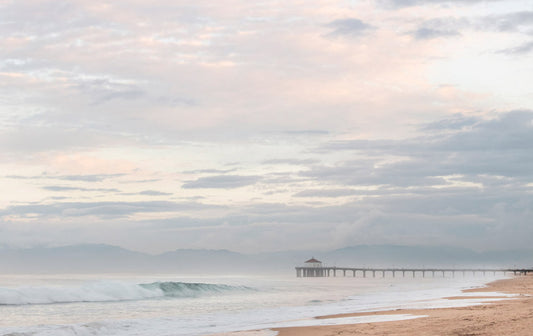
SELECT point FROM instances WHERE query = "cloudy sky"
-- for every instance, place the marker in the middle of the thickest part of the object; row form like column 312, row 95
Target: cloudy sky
column 266, row 125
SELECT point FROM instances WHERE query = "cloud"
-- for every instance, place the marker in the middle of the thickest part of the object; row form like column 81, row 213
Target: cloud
column 522, row 49
column 222, row 182
column 296, row 162
column 35, row 139
column 83, row 178
column 510, row 22
column 458, row 122
column 65, row 188
column 337, row 141
column 440, row 27
column 351, row 27
column 176, row 101
column 442, row 216
column 47, row 17
column 408, row 3
column 425, row 33
column 100, row 209
column 327, row 193
column 443, row 27
column 102, row 90
column 308, row 132
column 154, row 193
column 510, row 131
column 209, row 171
column 495, row 147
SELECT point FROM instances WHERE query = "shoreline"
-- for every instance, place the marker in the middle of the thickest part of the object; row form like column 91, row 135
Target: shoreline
column 496, row 316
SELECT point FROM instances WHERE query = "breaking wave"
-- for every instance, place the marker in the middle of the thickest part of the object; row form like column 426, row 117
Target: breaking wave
column 109, row 291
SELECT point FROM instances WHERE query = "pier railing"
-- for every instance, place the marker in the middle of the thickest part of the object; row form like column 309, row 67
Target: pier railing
column 307, row 272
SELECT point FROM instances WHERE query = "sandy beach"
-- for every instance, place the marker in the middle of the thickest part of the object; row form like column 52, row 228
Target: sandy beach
column 504, row 317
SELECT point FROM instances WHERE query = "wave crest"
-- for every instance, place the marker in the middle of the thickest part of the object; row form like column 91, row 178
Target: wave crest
column 109, row 291
column 186, row 289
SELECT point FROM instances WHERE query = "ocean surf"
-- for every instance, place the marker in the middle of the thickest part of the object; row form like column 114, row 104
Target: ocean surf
column 173, row 305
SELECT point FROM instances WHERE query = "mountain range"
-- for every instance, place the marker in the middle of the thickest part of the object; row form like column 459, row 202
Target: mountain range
column 100, row 258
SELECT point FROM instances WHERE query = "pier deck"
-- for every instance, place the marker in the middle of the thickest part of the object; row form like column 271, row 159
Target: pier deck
column 325, row 271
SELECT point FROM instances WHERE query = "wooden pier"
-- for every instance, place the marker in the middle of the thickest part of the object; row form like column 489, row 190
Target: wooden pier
column 324, row 271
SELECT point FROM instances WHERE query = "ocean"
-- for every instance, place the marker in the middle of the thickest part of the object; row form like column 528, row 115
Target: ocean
column 175, row 305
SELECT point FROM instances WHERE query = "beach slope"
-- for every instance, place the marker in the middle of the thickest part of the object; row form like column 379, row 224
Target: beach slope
column 507, row 317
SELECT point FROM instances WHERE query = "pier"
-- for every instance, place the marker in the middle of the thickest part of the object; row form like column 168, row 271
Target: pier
column 325, row 271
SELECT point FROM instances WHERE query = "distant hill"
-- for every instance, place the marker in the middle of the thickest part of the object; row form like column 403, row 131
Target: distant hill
column 98, row 258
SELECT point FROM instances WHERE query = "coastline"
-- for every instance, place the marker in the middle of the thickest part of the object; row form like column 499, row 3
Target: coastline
column 497, row 316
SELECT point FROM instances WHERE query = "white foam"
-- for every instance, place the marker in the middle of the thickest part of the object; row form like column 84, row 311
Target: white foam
column 348, row 320
column 169, row 327
column 493, row 294
column 250, row 311
column 321, row 322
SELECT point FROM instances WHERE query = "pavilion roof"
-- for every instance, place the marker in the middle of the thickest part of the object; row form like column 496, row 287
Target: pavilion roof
column 313, row 260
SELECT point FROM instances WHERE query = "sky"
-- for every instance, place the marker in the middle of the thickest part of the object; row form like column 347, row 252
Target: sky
column 269, row 125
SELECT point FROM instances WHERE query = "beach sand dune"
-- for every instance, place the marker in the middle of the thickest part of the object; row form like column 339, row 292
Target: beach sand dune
column 506, row 317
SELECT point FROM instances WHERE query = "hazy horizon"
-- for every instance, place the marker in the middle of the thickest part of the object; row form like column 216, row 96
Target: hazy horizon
column 266, row 126
column 236, row 250
column 103, row 259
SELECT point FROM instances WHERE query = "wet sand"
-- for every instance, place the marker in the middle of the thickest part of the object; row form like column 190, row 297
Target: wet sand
column 504, row 317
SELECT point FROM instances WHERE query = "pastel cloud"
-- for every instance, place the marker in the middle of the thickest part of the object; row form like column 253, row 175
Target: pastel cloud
column 348, row 27
column 201, row 124
column 222, row 182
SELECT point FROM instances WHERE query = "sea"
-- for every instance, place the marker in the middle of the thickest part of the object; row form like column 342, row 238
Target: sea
column 166, row 304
